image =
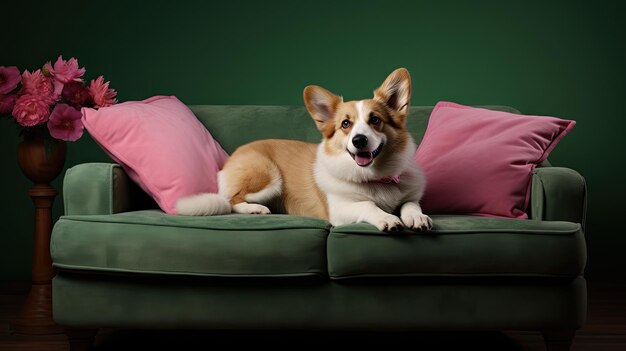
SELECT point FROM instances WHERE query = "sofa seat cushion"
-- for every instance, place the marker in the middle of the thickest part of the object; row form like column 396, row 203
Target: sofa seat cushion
column 151, row 242
column 459, row 246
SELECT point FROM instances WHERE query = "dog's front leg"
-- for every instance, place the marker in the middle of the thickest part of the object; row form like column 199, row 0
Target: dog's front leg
column 345, row 212
column 413, row 217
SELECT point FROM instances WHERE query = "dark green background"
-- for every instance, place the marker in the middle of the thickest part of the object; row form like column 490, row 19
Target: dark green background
column 558, row 58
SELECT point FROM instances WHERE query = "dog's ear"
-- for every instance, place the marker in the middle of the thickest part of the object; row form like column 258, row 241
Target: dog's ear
column 322, row 105
column 395, row 91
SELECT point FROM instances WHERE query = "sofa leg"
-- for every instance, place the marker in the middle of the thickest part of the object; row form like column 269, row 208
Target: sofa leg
column 80, row 339
column 560, row 340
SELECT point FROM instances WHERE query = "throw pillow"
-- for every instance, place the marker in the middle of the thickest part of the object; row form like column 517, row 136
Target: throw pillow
column 161, row 145
column 479, row 162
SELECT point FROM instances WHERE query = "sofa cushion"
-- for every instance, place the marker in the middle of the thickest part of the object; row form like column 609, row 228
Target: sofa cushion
column 161, row 145
column 460, row 246
column 479, row 161
column 285, row 122
column 151, row 242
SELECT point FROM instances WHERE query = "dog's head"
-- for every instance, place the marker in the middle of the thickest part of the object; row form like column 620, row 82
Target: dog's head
column 367, row 133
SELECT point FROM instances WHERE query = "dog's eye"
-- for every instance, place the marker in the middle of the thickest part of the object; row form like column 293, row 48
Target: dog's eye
column 375, row 120
column 346, row 124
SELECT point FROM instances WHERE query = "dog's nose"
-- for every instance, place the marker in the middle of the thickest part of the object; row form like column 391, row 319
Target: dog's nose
column 359, row 141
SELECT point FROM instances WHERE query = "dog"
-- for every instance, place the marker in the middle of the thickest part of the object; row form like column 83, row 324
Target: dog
column 362, row 171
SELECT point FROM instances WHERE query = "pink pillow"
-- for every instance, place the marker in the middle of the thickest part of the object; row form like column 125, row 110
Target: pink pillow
column 479, row 161
column 161, row 145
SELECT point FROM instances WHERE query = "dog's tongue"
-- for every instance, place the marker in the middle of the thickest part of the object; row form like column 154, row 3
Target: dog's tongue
column 363, row 158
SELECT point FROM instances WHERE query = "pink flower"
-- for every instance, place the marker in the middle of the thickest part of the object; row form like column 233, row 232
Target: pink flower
column 6, row 103
column 102, row 95
column 65, row 71
column 65, row 123
column 58, row 87
column 9, row 79
column 30, row 110
column 77, row 95
column 36, row 84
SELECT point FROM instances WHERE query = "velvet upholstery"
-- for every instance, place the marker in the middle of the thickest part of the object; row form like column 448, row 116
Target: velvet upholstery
column 122, row 263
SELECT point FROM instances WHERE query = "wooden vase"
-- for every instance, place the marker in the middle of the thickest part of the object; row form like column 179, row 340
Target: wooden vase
column 41, row 161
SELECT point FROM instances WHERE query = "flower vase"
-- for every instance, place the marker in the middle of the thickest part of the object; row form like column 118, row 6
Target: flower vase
column 41, row 161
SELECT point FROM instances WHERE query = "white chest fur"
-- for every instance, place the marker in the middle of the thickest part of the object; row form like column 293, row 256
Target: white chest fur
column 337, row 179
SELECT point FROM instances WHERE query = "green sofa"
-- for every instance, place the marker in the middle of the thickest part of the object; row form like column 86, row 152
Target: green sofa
column 123, row 263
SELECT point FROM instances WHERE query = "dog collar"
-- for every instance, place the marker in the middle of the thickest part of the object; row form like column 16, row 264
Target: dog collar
column 386, row 180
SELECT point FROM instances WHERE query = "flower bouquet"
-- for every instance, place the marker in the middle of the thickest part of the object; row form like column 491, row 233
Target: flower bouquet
column 48, row 101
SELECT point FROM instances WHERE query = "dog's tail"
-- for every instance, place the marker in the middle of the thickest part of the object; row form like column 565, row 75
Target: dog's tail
column 206, row 204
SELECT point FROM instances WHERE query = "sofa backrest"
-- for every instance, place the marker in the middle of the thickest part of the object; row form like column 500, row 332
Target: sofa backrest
column 235, row 125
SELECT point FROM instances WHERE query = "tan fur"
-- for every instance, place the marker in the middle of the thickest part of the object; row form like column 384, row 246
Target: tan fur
column 325, row 103
column 250, row 171
column 253, row 166
column 333, row 141
column 336, row 180
column 393, row 124
column 399, row 82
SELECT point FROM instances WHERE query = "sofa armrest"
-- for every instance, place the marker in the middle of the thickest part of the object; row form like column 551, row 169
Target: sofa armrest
column 101, row 188
column 558, row 194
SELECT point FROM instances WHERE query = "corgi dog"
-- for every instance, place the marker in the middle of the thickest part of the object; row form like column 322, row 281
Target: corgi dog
column 362, row 171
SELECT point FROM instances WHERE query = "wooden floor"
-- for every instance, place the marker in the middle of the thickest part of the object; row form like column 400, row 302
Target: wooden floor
column 605, row 330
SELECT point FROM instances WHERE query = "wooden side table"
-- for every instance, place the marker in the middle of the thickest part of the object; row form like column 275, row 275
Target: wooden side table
column 41, row 164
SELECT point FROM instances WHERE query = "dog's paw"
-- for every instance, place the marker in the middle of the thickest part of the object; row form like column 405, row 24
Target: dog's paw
column 388, row 223
column 417, row 221
column 247, row 208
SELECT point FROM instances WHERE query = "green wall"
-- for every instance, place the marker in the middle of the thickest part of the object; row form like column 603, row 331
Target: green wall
column 559, row 58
